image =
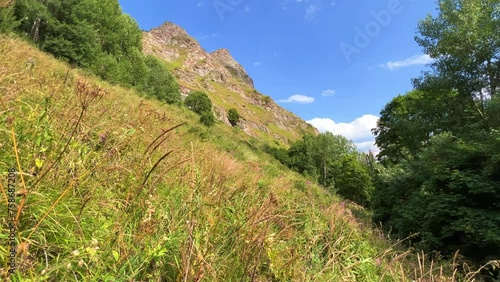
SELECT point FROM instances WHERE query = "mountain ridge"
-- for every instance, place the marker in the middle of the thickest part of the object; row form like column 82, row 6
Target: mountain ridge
column 226, row 82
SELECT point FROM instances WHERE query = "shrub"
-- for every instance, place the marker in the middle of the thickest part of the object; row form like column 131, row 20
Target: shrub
column 207, row 118
column 160, row 83
column 233, row 116
column 198, row 102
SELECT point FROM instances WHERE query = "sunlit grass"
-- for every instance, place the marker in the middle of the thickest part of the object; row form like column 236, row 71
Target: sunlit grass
column 113, row 193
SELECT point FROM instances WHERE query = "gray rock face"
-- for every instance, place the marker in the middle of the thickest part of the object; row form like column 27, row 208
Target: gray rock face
column 225, row 58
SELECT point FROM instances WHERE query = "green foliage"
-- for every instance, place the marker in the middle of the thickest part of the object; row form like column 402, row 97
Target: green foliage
column 198, row 102
column 409, row 121
column 281, row 154
column 353, row 181
column 233, row 116
column 465, row 41
column 160, row 83
column 7, row 19
column 440, row 142
column 266, row 99
column 448, row 194
column 207, row 118
column 333, row 161
column 98, row 36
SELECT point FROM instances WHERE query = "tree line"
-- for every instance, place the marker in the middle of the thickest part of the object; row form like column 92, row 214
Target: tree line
column 436, row 179
column 332, row 161
column 440, row 143
column 95, row 35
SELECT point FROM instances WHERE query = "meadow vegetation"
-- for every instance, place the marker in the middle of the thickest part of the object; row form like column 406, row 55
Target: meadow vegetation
column 119, row 181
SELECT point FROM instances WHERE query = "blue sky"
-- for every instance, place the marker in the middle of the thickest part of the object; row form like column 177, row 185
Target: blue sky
column 334, row 63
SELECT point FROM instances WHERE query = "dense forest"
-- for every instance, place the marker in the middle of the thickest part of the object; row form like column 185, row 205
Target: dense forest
column 436, row 180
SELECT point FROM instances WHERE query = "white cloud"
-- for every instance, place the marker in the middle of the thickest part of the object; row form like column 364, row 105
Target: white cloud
column 328, row 93
column 297, row 98
column 411, row 61
column 311, row 11
column 200, row 4
column 358, row 130
column 257, row 64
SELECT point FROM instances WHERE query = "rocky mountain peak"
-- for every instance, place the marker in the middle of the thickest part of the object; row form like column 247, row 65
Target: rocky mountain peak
column 224, row 57
column 172, row 34
column 225, row 81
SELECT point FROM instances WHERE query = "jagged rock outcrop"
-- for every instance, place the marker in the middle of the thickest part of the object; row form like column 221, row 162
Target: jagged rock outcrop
column 225, row 58
column 225, row 81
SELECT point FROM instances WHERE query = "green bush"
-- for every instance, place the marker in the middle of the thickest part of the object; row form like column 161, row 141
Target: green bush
column 207, row 118
column 160, row 83
column 233, row 116
column 333, row 161
column 198, row 102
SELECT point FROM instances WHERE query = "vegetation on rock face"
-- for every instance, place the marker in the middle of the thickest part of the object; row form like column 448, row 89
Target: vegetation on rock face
column 233, row 116
column 198, row 70
column 440, row 143
column 199, row 103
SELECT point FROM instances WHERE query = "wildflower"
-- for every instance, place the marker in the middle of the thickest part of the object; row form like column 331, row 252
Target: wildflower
column 75, row 253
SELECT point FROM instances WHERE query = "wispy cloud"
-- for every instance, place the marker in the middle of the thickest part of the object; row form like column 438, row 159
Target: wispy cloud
column 247, row 8
column 202, row 37
column 298, row 98
column 257, row 64
column 328, row 93
column 200, row 4
column 411, row 61
column 311, row 11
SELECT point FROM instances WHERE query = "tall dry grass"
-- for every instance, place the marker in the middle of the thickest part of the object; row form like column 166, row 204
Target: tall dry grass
column 120, row 188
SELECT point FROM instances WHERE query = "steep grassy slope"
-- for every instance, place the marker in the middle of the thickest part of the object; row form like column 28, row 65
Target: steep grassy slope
column 110, row 189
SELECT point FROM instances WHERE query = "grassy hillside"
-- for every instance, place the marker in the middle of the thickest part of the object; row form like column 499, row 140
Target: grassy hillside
column 113, row 187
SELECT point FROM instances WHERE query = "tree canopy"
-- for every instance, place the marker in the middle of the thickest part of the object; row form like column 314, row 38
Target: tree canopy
column 333, row 161
column 198, row 102
column 95, row 35
column 440, row 143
